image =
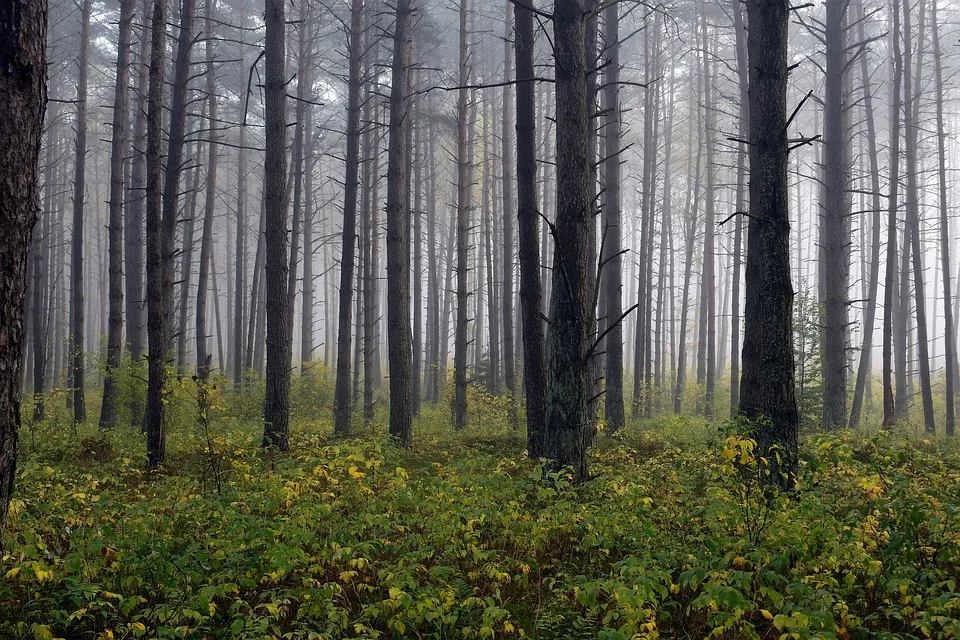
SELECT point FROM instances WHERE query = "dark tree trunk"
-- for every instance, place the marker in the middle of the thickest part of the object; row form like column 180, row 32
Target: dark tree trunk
column 77, row 366
column 276, row 406
column 534, row 355
column 158, row 327
column 417, row 214
column 342, row 402
column 306, row 318
column 118, row 150
column 398, row 231
column 708, row 285
column 432, row 367
column 23, row 27
column 767, row 386
column 743, row 124
column 571, row 301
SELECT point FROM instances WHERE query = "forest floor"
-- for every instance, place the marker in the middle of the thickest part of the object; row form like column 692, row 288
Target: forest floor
column 463, row 537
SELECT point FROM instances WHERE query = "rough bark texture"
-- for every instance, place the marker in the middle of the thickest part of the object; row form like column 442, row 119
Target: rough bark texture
column 23, row 25
column 767, row 386
column 158, row 332
column 534, row 355
column 118, row 149
column 568, row 385
column 398, row 231
column 342, row 403
column 276, row 407
column 463, row 230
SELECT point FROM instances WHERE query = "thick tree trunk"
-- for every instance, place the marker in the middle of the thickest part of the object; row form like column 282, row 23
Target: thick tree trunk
column 571, row 301
column 342, row 402
column 767, row 386
column 118, row 150
column 276, row 406
column 398, row 230
column 158, row 327
column 77, row 366
column 23, row 27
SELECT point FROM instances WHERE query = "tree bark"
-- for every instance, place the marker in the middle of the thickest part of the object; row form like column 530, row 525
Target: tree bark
column 276, row 406
column 398, row 231
column 767, row 386
column 23, row 85
column 463, row 229
column 206, row 237
column 506, row 163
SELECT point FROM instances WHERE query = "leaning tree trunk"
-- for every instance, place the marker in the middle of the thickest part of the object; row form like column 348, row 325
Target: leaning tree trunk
column 158, row 327
column 534, row 354
column 398, row 231
column 276, row 406
column 23, row 26
column 118, row 150
column 767, row 386
column 571, row 312
column 343, row 406
column 77, row 366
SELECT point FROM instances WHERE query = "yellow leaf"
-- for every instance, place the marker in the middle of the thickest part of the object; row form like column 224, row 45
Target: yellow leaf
column 13, row 572
column 355, row 473
column 766, row 614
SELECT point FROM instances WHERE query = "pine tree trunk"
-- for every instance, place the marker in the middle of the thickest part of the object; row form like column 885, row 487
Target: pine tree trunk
column 209, row 210
column 240, row 286
column 463, row 229
column 767, row 386
column 507, row 166
column 118, row 150
column 398, row 230
column 276, row 406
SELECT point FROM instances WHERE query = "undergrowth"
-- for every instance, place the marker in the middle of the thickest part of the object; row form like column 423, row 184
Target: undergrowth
column 462, row 537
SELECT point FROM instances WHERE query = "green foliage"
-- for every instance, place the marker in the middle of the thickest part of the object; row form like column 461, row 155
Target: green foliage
column 807, row 335
column 464, row 538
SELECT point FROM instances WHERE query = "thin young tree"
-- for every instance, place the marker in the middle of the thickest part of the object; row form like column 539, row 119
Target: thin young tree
column 464, row 187
column 342, row 402
column 118, row 150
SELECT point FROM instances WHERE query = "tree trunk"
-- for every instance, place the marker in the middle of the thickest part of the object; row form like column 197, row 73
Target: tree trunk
column 398, row 231
column 950, row 350
column 743, row 124
column 276, row 406
column 342, row 402
column 534, row 355
column 571, row 300
column 158, row 327
column 23, row 87
column 835, row 219
column 76, row 252
column 506, row 163
column 464, row 187
column 708, row 285
column 767, row 386
column 240, row 287
column 206, row 237
column 118, row 150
